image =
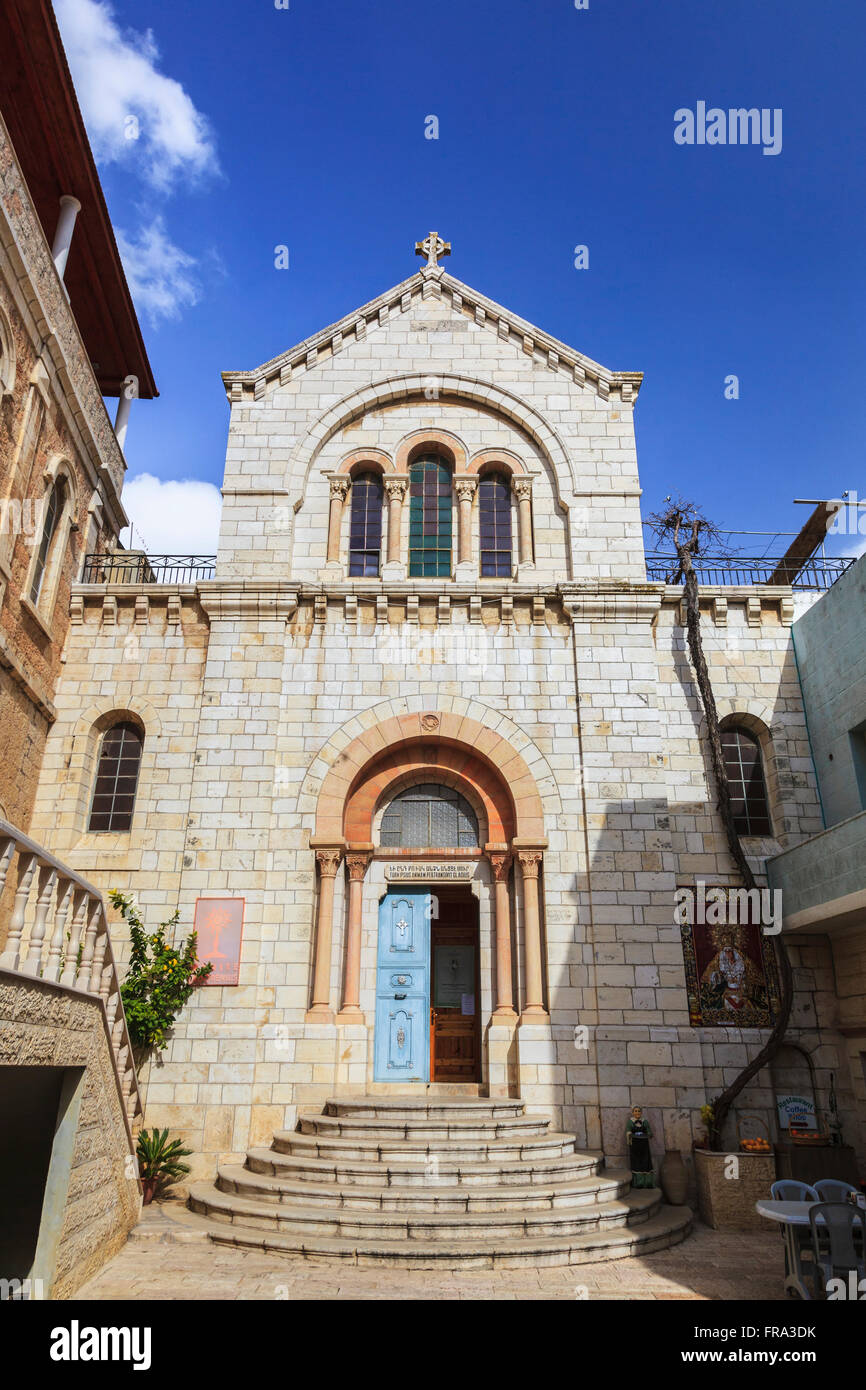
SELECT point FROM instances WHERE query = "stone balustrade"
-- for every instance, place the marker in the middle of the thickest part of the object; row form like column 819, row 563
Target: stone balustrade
column 58, row 933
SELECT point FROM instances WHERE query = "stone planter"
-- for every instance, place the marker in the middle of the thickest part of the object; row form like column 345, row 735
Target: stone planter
column 728, row 1203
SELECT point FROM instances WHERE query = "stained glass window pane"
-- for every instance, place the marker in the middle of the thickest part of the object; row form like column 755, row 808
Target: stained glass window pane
column 430, row 518
column 429, row 816
column 365, row 525
column 494, row 501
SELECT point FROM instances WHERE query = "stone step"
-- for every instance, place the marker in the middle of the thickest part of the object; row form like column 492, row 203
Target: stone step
column 396, row 1149
column 421, row 1171
column 667, row 1227
column 423, row 1129
column 425, row 1107
column 443, row 1199
column 463, row 1228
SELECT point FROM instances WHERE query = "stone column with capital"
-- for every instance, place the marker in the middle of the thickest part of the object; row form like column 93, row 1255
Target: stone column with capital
column 356, row 865
column 501, row 864
column 523, row 493
column 396, row 490
column 466, row 565
column 339, row 489
column 320, row 1010
column 533, row 1008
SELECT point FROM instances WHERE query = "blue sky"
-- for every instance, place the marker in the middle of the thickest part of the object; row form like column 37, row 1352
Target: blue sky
column 305, row 126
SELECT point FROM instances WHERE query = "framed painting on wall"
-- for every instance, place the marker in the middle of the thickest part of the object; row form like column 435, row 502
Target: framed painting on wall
column 219, row 924
column 730, row 967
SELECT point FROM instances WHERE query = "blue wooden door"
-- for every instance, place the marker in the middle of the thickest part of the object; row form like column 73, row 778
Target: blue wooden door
column 402, row 1043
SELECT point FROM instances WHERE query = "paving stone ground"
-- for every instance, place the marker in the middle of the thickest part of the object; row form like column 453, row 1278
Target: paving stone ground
column 168, row 1257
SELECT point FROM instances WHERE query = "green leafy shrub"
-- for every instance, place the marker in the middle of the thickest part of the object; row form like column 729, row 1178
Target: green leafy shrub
column 161, row 977
column 160, row 1159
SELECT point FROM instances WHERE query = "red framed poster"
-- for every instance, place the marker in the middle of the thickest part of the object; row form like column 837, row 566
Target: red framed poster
column 219, row 925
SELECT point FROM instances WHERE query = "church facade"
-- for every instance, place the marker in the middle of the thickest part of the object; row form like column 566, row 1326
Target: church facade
column 424, row 760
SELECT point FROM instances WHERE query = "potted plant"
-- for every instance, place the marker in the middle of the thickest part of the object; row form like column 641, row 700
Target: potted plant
column 159, row 1162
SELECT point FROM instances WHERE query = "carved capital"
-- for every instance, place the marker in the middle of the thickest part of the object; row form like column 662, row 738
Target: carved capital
column 500, row 864
column 339, row 488
column 396, row 489
column 357, row 865
column 522, row 489
column 328, row 861
column 465, row 489
column 530, row 862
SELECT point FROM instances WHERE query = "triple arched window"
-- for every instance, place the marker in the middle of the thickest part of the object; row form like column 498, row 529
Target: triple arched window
column 744, row 766
column 116, row 782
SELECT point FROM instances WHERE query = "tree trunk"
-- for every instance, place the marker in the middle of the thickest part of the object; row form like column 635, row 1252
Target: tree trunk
column 722, row 1104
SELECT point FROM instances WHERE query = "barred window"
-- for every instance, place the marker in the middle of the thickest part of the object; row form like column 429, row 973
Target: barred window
column 429, row 816
column 365, row 525
column 116, row 778
column 745, row 771
column 430, row 517
column 494, row 500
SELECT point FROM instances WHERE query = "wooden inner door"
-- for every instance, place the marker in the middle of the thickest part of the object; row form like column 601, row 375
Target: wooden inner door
column 455, row 1012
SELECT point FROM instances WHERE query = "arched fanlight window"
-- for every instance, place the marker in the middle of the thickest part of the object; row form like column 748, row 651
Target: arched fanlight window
column 116, row 778
column 429, row 816
column 50, row 521
column 365, row 525
column 494, row 504
column 745, row 771
column 430, row 517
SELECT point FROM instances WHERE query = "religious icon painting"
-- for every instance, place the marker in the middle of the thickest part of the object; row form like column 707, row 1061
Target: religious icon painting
column 730, row 964
column 219, row 926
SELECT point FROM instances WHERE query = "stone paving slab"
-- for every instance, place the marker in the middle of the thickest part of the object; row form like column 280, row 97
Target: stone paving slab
column 155, row 1265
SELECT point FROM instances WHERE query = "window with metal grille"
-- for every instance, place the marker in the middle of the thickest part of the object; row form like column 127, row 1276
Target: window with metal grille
column 365, row 525
column 429, row 817
column 745, row 771
column 494, row 503
column 116, row 778
column 49, row 526
column 430, row 517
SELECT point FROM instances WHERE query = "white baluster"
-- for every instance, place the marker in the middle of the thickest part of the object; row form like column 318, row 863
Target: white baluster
column 7, row 850
column 95, row 917
column 26, row 870
column 31, row 959
column 58, row 936
column 100, row 947
column 79, row 917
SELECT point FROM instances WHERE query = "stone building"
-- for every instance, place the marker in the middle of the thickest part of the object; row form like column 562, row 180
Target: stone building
column 69, row 337
column 424, row 760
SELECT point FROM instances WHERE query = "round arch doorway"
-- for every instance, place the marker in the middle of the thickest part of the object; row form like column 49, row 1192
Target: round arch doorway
column 428, row 996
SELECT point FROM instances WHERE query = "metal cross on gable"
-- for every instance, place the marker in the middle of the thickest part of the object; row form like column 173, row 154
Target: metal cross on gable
column 433, row 247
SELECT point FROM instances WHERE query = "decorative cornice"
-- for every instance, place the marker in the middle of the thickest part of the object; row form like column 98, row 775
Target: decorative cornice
column 600, row 602
column 239, row 599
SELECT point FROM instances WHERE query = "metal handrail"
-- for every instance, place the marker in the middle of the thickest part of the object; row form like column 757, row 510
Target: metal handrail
column 819, row 572
column 134, row 567
column 60, row 936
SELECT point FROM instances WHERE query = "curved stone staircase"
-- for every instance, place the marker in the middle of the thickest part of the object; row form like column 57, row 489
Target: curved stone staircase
column 434, row 1184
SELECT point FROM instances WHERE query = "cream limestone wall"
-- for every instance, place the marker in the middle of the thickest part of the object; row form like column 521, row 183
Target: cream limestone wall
column 250, row 688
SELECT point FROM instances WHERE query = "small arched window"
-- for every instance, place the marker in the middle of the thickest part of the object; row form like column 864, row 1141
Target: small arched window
column 50, row 522
column 494, row 502
column 365, row 525
column 430, row 517
column 116, row 778
column 429, row 816
column 745, row 771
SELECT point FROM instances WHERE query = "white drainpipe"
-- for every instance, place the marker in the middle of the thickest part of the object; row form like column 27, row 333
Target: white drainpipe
column 128, row 393
column 69, row 210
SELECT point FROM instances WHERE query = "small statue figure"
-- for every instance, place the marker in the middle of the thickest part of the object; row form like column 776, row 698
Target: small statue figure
column 638, row 1135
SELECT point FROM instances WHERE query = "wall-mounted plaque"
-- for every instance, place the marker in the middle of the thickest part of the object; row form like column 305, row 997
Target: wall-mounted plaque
column 428, row 873
column 219, row 924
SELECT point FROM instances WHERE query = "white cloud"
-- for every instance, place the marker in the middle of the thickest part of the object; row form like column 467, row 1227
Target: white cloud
column 133, row 114
column 162, row 277
column 172, row 516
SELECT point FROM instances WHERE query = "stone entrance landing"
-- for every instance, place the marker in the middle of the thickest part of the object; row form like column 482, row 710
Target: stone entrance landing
column 434, row 1183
